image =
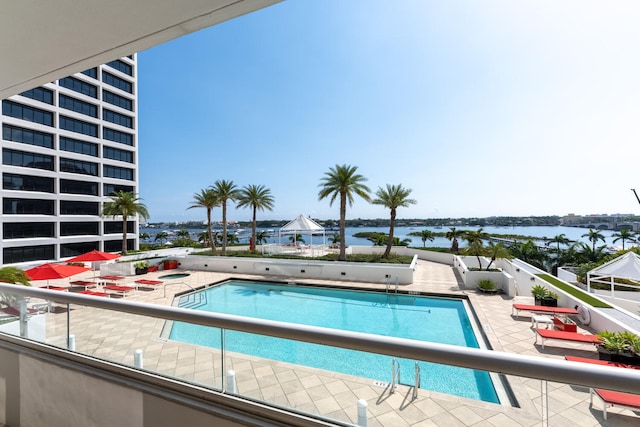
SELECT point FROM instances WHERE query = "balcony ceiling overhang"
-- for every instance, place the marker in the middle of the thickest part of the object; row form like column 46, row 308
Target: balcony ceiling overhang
column 42, row 41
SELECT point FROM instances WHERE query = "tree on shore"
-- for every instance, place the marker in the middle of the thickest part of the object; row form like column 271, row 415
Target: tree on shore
column 393, row 197
column 257, row 197
column 426, row 235
column 161, row 236
column 125, row 204
column 594, row 236
column 224, row 191
column 206, row 199
column 495, row 251
column 453, row 234
column 625, row 235
column 343, row 182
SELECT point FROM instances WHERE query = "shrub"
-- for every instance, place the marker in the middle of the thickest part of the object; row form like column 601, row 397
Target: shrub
column 486, row 284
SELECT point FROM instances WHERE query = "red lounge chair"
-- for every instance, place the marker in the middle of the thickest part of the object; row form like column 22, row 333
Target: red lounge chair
column 95, row 293
column 83, row 284
column 600, row 362
column 615, row 398
column 541, row 309
column 121, row 290
column 149, row 282
column 548, row 334
column 55, row 288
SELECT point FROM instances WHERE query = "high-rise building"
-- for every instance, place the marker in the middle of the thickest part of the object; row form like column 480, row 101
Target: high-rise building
column 67, row 146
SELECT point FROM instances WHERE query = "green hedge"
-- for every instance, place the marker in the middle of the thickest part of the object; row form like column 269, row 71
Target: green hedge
column 572, row 290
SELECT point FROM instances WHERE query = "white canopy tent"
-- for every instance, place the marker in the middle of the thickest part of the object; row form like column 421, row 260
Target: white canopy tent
column 626, row 266
column 302, row 225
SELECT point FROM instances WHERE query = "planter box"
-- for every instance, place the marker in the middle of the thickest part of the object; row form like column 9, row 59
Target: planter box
column 153, row 268
column 564, row 324
column 618, row 357
column 169, row 265
column 140, row 271
column 549, row 302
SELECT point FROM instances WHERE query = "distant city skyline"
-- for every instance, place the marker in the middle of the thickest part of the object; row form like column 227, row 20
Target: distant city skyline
column 490, row 109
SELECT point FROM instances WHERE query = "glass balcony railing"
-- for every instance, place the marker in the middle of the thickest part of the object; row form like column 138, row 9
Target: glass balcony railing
column 410, row 387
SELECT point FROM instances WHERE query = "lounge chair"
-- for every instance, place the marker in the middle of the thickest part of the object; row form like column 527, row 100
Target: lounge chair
column 615, row 398
column 119, row 289
column 600, row 362
column 55, row 288
column 541, row 309
column 95, row 293
column 549, row 334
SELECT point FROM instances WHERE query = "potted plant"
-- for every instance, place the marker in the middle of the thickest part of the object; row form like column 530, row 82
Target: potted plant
column 621, row 347
column 538, row 292
column 487, row 286
column 169, row 264
column 142, row 267
column 550, row 299
column 153, row 268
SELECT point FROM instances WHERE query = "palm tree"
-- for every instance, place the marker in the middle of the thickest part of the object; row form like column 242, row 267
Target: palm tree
column 496, row 251
column 296, row 238
column 393, row 197
column 144, row 236
column 594, row 236
column 560, row 239
column 426, row 235
column 224, row 191
column 453, row 235
column 261, row 237
column 161, row 236
column 183, row 234
column 256, row 197
column 206, row 199
column 624, row 235
column 203, row 237
column 475, row 244
column 342, row 181
column 125, row 204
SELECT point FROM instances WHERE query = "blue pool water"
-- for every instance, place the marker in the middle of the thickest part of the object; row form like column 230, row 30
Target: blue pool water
column 406, row 316
column 174, row 276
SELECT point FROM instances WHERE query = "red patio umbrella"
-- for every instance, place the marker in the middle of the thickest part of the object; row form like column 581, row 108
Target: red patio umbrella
column 54, row 271
column 94, row 255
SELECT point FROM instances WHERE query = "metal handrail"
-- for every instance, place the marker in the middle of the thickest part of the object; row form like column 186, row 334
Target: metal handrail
column 576, row 373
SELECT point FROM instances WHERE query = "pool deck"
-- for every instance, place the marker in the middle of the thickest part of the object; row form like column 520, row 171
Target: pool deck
column 115, row 336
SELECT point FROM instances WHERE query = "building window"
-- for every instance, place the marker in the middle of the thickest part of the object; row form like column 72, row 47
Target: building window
column 69, row 186
column 78, row 166
column 13, row 206
column 117, row 154
column 117, row 118
column 117, row 82
column 29, row 253
column 77, row 146
column 27, row 136
column 27, row 160
column 91, row 72
column 79, row 86
column 78, row 126
column 117, row 100
column 78, row 106
column 79, row 229
column 39, row 94
column 121, row 66
column 75, row 249
column 116, row 245
column 24, row 112
column 110, row 189
column 21, row 230
column 12, row 181
column 117, row 136
column 109, row 171
column 115, row 227
column 68, row 207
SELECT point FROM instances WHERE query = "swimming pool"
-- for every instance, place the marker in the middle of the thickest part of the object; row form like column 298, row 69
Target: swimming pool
column 439, row 320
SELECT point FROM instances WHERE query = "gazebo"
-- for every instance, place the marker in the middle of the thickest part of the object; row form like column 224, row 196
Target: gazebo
column 301, row 225
column 626, row 266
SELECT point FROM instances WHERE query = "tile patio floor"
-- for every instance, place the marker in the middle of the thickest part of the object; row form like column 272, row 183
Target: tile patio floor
column 115, row 336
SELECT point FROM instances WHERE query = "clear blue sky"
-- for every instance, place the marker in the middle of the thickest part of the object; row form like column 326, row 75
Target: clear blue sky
column 481, row 108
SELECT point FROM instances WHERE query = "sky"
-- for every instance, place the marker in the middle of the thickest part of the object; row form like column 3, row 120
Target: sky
column 492, row 108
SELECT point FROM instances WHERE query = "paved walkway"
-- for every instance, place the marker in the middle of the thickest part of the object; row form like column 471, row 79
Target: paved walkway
column 115, row 336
